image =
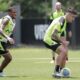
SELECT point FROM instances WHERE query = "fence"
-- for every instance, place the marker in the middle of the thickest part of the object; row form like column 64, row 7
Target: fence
column 32, row 31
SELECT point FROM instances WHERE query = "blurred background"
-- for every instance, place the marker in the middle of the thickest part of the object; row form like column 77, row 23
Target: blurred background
column 33, row 20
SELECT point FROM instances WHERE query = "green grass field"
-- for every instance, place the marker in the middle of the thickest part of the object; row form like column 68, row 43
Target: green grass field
column 34, row 64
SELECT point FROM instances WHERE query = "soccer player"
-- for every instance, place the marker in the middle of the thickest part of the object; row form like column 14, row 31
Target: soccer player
column 7, row 24
column 55, row 39
column 58, row 12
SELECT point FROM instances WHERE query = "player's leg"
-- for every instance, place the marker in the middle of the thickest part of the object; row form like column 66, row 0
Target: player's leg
column 62, row 51
column 61, row 54
column 53, row 57
column 7, row 58
column 64, row 62
column 53, row 53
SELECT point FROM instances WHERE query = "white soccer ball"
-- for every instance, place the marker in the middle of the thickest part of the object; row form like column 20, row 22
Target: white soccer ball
column 66, row 72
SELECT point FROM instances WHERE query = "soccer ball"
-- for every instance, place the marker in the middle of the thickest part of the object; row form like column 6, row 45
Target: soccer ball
column 66, row 72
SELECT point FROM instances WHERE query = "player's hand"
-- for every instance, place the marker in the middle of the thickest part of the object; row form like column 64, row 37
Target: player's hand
column 10, row 40
column 65, row 43
column 63, row 38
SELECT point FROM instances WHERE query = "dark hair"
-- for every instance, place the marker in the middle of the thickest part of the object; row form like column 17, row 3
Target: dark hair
column 72, row 10
column 10, row 9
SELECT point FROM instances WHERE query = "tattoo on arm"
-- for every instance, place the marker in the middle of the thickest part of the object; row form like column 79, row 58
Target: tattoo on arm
column 55, row 35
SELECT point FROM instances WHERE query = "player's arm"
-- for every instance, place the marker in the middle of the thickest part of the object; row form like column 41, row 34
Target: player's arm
column 4, row 22
column 55, row 36
column 69, row 30
column 60, row 39
column 70, row 34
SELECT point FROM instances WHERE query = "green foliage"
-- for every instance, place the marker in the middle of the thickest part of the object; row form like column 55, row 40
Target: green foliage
column 4, row 4
column 37, row 8
column 33, row 63
column 34, row 8
column 3, row 7
column 71, row 3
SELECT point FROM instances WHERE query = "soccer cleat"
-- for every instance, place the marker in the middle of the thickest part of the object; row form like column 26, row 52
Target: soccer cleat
column 52, row 61
column 57, row 75
column 2, row 74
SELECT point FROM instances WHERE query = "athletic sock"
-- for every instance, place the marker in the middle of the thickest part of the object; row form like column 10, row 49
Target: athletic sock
column 1, row 71
column 60, row 68
column 53, row 58
column 57, row 68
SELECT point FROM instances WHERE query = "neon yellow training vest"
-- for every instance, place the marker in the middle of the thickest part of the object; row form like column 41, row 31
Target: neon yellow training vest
column 8, row 28
column 56, row 14
column 54, row 25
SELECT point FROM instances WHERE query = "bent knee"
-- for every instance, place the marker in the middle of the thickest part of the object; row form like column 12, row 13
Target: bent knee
column 64, row 50
column 8, row 58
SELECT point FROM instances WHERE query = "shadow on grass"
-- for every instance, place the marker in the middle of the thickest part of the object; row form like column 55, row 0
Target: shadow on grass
column 16, row 76
column 70, row 78
column 75, row 78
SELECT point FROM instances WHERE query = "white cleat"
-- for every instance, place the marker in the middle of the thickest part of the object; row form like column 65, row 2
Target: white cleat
column 2, row 74
column 52, row 61
column 57, row 75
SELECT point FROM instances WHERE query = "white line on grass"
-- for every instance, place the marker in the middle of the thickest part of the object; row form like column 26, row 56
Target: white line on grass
column 42, row 58
column 24, row 59
column 54, row 62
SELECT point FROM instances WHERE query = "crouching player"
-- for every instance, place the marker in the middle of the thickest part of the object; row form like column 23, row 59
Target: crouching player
column 55, row 39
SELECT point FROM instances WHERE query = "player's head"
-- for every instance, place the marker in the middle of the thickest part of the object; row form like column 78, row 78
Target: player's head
column 58, row 6
column 71, row 14
column 12, row 12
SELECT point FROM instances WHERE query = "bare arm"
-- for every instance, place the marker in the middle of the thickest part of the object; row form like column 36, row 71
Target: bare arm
column 4, row 22
column 70, row 34
column 60, row 39
column 55, row 36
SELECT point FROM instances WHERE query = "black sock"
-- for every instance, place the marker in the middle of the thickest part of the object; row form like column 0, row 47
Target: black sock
column 60, row 68
column 53, row 58
column 57, row 68
column 1, row 71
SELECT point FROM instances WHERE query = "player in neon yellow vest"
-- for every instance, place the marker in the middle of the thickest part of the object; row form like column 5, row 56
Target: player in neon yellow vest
column 58, row 12
column 7, row 24
column 55, row 39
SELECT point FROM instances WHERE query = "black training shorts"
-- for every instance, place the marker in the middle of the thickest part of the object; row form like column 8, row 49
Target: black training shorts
column 4, row 45
column 52, row 47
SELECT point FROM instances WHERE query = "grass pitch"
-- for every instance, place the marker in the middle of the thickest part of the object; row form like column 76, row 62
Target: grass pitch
column 34, row 64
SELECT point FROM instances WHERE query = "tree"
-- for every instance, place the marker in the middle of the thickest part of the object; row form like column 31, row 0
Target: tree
column 41, row 8
column 34, row 8
column 37, row 8
column 4, row 4
column 71, row 3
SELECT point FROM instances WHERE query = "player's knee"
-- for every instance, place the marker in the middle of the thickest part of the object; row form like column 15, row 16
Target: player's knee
column 64, row 50
column 8, row 58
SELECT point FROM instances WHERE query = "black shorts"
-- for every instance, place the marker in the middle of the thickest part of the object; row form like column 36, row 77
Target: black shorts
column 52, row 47
column 4, row 45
